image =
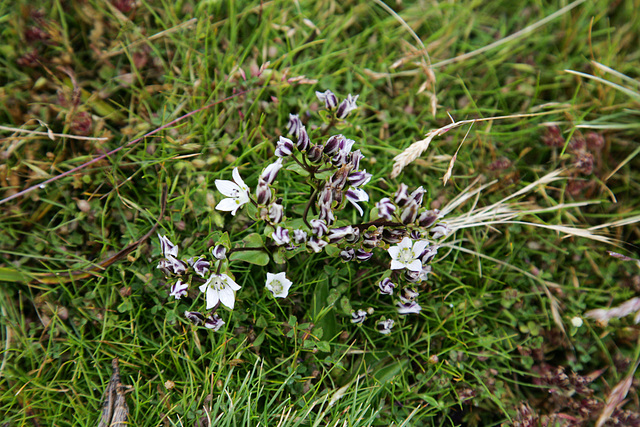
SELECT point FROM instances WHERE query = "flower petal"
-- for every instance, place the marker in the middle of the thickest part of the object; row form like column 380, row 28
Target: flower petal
column 230, row 283
column 228, row 188
column 414, row 265
column 230, row 205
column 238, row 179
column 212, row 298
column 396, row 265
column 227, row 297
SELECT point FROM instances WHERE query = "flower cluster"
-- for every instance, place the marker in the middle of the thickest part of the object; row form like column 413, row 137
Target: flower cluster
column 331, row 166
column 218, row 288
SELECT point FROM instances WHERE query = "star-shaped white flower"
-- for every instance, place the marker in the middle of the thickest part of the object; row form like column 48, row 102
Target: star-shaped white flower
column 405, row 254
column 237, row 193
column 278, row 284
column 220, row 288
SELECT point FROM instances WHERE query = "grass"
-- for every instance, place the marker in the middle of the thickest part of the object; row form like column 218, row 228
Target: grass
column 496, row 330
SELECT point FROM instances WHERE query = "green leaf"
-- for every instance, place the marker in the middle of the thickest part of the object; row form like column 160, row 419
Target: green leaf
column 260, row 258
column 323, row 346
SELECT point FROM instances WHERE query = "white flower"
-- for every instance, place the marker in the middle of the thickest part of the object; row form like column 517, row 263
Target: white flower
column 220, row 288
column 403, row 255
column 237, row 193
column 278, row 284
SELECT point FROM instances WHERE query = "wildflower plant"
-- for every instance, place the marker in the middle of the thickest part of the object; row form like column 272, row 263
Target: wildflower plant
column 395, row 230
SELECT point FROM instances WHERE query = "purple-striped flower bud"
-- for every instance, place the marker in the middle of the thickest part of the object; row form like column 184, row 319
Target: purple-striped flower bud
column 415, row 235
column 348, row 254
column 362, row 255
column 385, row 326
column 214, row 322
column 417, row 195
column 427, row 218
column 194, row 317
column 339, row 179
column 179, row 289
column 294, row 125
column 303, row 139
column 428, row 254
column 408, row 295
column 411, row 276
column 356, row 179
column 319, row 227
column 371, row 239
column 386, row 286
column 200, row 266
column 263, row 192
column 316, row 244
column 393, row 235
column 355, row 158
column 299, row 236
column 315, row 153
column 219, row 252
column 276, row 211
column 347, row 106
column 339, row 233
column 358, row 316
column 270, row 173
column 333, row 145
column 402, row 195
column 385, row 208
column 284, row 147
column 329, row 99
column 354, row 236
column 410, row 212
column 280, row 236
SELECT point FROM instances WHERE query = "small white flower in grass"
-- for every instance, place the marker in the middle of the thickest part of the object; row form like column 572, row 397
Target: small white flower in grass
column 237, row 193
column 576, row 321
column 278, row 284
column 410, row 307
column 358, row 316
column 220, row 288
column 405, row 254
column 179, row 289
column 214, row 322
column 384, row 326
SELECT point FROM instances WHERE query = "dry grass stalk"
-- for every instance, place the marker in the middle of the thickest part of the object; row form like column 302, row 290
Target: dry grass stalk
column 616, row 397
column 417, row 148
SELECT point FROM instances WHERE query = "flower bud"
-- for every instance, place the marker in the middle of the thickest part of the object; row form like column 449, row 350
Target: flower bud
column 303, row 139
column 385, row 208
column 316, row 244
column 358, row 316
column 417, row 195
column 214, row 322
column 359, row 178
column 284, row 147
column 354, row 236
column 362, row 255
column 355, row 158
column 347, row 106
column 347, row 254
column 294, row 125
column 299, row 236
column 427, row 218
column 280, row 236
column 386, row 286
column 333, row 145
column 329, row 99
column 270, row 173
column 319, row 227
column 219, row 252
column 263, row 192
column 276, row 211
column 402, row 195
column 315, row 153
column 440, row 230
column 393, row 235
column 339, row 233
column 410, row 212
column 194, row 317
